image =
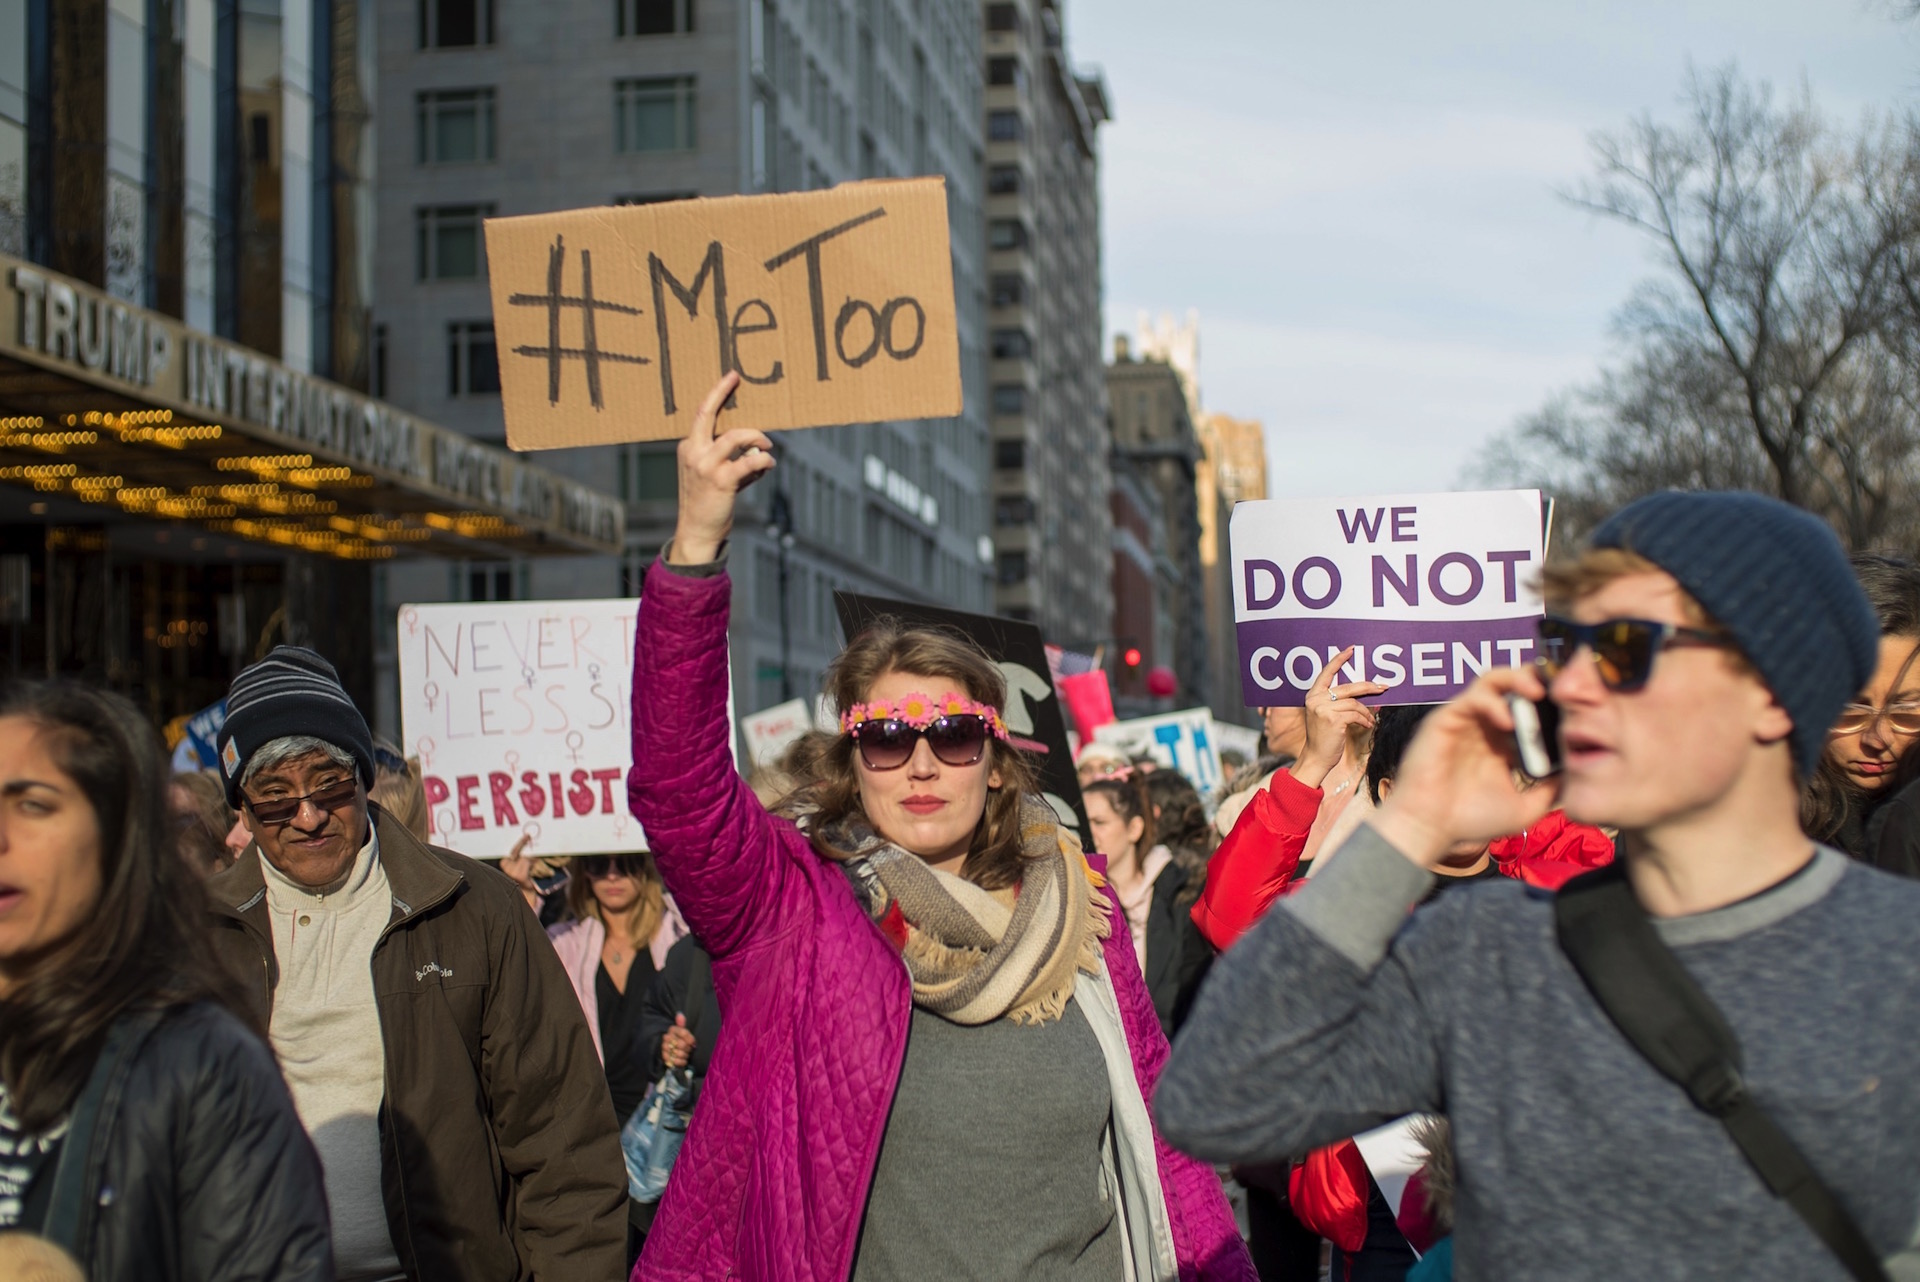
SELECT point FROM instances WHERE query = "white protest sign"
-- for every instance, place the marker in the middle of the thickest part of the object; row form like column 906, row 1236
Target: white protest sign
column 519, row 713
column 1228, row 737
column 770, row 732
column 1180, row 741
column 1430, row 589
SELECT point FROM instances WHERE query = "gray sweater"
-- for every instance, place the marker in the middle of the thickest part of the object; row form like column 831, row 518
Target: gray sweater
column 1577, row 1160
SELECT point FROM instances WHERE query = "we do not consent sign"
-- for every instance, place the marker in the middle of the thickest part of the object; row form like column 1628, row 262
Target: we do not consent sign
column 1429, row 589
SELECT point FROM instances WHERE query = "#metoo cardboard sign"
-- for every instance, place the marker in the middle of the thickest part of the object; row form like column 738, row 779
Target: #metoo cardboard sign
column 1180, row 741
column 1430, row 589
column 519, row 713
column 835, row 306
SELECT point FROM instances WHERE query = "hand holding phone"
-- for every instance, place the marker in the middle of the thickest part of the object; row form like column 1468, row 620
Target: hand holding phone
column 1536, row 734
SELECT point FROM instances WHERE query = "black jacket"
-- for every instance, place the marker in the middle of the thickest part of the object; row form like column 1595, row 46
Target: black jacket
column 1178, row 955
column 666, row 998
column 203, row 1173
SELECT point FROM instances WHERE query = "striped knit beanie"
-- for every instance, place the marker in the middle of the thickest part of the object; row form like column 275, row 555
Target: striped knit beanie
column 293, row 691
column 1776, row 579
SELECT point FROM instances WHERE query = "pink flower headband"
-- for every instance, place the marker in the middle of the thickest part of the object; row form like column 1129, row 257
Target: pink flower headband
column 921, row 711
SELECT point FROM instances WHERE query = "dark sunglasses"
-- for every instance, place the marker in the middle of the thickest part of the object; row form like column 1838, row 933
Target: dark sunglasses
column 1623, row 649
column 279, row 810
column 887, row 744
column 594, row 867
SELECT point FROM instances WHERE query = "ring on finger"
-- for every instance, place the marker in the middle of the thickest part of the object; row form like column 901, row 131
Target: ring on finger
column 1332, row 697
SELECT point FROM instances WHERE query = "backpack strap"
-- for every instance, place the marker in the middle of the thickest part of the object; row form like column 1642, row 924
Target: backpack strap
column 82, row 1161
column 1667, row 1017
column 699, row 983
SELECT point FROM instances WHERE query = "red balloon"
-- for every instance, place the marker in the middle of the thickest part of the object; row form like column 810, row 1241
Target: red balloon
column 1161, row 683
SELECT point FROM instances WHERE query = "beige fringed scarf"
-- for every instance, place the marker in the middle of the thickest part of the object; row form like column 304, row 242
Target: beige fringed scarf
column 977, row 955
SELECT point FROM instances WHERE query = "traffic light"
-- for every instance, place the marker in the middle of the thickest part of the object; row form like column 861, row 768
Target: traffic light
column 1131, row 657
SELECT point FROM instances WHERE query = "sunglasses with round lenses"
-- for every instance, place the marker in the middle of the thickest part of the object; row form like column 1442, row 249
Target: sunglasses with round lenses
column 593, row 867
column 279, row 810
column 1855, row 718
column 888, row 744
column 1623, row 649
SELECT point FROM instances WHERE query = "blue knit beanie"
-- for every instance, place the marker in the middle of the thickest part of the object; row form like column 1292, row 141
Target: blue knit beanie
column 1777, row 580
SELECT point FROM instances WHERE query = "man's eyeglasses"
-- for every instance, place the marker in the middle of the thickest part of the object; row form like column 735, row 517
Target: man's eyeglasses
column 1858, row 718
column 1623, row 649
column 326, row 799
column 594, row 867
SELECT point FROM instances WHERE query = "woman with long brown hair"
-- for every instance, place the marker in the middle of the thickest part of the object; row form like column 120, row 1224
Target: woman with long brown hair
column 143, row 1126
column 937, row 1049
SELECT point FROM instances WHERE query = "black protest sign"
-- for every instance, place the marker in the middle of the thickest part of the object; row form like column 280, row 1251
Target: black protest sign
column 1033, row 714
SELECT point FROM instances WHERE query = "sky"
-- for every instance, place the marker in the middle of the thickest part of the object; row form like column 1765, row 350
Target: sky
column 1363, row 201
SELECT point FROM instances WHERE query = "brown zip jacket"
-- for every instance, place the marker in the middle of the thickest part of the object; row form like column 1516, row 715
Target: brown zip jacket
column 500, row 1158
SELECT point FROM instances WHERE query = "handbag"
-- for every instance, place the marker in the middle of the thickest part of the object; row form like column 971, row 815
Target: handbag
column 650, row 1141
column 1672, row 1022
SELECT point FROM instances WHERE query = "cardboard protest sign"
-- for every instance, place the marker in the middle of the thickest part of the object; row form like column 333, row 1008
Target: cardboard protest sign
column 770, row 732
column 519, row 713
column 1180, row 741
column 1228, row 737
column 1033, row 714
column 835, row 306
column 199, row 732
column 1431, row 589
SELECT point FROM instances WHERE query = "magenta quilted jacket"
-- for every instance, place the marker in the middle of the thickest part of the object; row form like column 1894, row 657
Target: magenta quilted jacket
column 773, row 1179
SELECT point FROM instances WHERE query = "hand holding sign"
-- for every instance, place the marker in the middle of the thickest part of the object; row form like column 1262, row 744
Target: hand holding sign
column 1335, row 719
column 714, row 467
column 1457, row 782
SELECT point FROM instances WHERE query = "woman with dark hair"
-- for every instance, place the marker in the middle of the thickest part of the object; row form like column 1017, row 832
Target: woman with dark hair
column 1861, row 769
column 937, row 1049
column 1156, row 888
column 143, row 1126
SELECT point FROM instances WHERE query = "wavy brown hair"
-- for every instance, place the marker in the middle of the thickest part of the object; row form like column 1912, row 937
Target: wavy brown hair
column 995, row 859
column 143, row 943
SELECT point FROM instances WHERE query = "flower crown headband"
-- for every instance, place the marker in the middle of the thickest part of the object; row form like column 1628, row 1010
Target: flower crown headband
column 921, row 711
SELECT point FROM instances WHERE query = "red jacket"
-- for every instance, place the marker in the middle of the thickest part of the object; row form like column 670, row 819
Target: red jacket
column 1553, row 851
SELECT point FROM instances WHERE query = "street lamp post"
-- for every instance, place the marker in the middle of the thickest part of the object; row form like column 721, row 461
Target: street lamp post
column 780, row 530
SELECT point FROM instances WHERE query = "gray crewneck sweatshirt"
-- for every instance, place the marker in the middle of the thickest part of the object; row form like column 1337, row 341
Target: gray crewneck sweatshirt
column 1338, row 1012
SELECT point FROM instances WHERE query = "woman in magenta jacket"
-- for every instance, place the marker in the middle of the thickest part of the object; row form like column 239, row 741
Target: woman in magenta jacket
column 937, row 1047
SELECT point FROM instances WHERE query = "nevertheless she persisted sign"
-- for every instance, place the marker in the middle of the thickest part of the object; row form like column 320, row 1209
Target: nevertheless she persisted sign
column 1429, row 589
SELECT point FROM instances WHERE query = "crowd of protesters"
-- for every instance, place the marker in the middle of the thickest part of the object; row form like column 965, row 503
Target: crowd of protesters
column 255, row 1024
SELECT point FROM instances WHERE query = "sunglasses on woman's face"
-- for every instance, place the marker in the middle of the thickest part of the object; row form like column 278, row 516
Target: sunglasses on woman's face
column 594, row 867
column 1856, row 718
column 328, row 798
column 888, row 744
column 1623, row 649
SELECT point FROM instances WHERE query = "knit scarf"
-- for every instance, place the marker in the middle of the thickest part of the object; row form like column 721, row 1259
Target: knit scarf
column 978, row 955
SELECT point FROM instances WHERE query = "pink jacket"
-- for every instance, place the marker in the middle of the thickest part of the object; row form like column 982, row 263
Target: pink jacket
column 772, row 1182
column 579, row 944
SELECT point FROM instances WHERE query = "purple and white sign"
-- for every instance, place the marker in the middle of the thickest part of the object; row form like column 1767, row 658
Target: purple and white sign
column 1429, row 589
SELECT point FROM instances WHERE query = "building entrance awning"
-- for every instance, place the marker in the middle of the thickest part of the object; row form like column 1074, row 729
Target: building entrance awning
column 132, row 412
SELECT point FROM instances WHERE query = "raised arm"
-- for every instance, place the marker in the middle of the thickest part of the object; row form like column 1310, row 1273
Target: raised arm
column 720, row 854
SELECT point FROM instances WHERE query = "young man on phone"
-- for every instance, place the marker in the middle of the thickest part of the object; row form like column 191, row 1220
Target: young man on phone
column 1698, row 653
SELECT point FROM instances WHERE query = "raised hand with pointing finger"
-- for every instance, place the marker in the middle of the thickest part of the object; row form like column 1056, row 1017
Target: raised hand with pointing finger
column 1338, row 724
column 714, row 467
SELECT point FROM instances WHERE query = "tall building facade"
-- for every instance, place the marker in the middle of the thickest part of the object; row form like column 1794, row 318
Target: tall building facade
column 1053, row 531
column 1156, row 445
column 1233, row 469
column 489, row 107
column 190, row 468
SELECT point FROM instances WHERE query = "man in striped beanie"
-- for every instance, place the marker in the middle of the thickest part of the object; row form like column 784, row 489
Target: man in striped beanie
column 429, row 1036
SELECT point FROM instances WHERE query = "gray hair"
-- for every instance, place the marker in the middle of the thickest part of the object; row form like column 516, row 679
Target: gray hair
column 278, row 751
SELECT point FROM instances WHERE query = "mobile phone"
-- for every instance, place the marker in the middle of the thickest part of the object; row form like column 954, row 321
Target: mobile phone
column 1536, row 734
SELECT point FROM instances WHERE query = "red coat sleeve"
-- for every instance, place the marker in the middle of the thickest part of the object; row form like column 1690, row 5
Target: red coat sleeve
column 1256, row 863
column 1328, row 1193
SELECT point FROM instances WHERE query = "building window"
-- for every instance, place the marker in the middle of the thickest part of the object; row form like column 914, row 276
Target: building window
column 1009, row 398
column 455, row 24
column 489, row 583
column 649, row 474
column 1013, row 568
column 653, row 115
column 473, row 366
column 1010, row 456
column 1012, row 509
column 1003, row 17
column 447, row 241
column 655, row 198
column 1004, row 71
column 1008, row 290
column 652, row 17
column 380, row 360
column 1011, row 345
column 1003, row 180
column 453, row 126
column 1007, row 233
column 1005, row 126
